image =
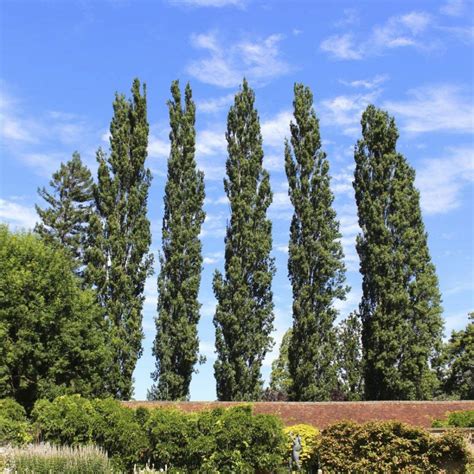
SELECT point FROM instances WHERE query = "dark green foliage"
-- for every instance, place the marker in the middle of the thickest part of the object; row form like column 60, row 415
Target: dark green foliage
column 457, row 419
column 66, row 420
column 14, row 426
column 400, row 307
column 280, row 378
column 349, row 358
column 73, row 420
column 244, row 312
column 458, row 355
column 231, row 440
column 120, row 237
column 381, row 447
column 176, row 344
column 70, row 204
column 53, row 335
column 315, row 265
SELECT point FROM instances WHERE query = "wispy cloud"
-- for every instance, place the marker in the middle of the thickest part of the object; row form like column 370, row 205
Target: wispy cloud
column 344, row 111
column 17, row 215
column 210, row 3
column 453, row 8
column 275, row 129
column 398, row 31
column 441, row 107
column 367, row 83
column 225, row 65
column 442, row 180
column 215, row 104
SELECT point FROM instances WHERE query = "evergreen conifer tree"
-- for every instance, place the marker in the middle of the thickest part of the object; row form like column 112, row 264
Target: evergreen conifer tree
column 65, row 221
column 400, row 307
column 244, row 312
column 315, row 265
column 176, row 344
column 119, row 238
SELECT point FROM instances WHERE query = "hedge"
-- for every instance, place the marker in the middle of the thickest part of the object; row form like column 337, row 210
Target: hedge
column 458, row 419
column 231, row 440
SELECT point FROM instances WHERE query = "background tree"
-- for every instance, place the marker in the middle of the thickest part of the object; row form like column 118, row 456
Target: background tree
column 280, row 378
column 459, row 359
column 176, row 344
column 118, row 258
column 54, row 337
column 244, row 312
column 349, row 358
column 70, row 204
column 400, row 307
column 315, row 264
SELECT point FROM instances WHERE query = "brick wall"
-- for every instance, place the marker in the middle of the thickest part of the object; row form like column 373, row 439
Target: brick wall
column 321, row 414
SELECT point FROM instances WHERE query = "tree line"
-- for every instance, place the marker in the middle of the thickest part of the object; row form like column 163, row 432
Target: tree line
column 73, row 292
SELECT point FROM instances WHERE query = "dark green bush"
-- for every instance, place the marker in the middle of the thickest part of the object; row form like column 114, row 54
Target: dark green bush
column 458, row 419
column 14, row 426
column 67, row 420
column 120, row 431
column 389, row 447
column 231, row 440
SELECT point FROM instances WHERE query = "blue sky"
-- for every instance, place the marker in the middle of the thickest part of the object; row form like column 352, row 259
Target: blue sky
column 62, row 61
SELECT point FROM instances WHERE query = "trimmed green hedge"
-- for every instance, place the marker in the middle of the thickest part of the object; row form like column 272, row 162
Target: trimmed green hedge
column 458, row 419
column 229, row 440
column 389, row 447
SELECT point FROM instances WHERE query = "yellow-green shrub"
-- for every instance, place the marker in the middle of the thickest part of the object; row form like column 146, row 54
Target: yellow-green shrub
column 309, row 443
column 14, row 426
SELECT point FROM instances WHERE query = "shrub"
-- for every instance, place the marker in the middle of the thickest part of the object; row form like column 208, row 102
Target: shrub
column 245, row 442
column 119, row 430
column 48, row 459
column 382, row 447
column 309, row 444
column 14, row 426
column 67, row 420
column 458, row 419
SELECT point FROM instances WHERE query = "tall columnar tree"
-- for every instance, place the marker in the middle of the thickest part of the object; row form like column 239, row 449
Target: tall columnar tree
column 176, row 344
column 118, row 258
column 349, row 358
column 280, row 378
column 400, row 307
column 244, row 312
column 70, row 204
column 315, row 265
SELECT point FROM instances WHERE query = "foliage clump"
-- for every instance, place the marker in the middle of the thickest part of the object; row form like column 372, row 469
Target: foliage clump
column 457, row 419
column 14, row 426
column 309, row 444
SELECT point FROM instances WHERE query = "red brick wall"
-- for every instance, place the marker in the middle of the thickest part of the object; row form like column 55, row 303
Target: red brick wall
column 321, row 414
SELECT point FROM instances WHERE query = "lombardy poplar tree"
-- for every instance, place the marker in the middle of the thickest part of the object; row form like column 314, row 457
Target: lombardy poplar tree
column 118, row 258
column 315, row 264
column 244, row 312
column 400, row 306
column 70, row 204
column 176, row 344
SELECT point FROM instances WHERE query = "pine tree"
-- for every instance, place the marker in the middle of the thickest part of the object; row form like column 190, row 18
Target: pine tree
column 70, row 201
column 349, row 358
column 176, row 344
column 244, row 312
column 119, row 240
column 315, row 265
column 400, row 307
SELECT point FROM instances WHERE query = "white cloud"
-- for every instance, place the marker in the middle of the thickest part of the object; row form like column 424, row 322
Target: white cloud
column 214, row 225
column 345, row 111
column 212, row 258
column 17, row 215
column 210, row 3
column 275, row 129
column 210, row 142
column 453, row 7
column 397, row 31
column 215, row 104
column 158, row 148
column 433, row 108
column 341, row 183
column 441, row 181
column 367, row 83
column 226, row 65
